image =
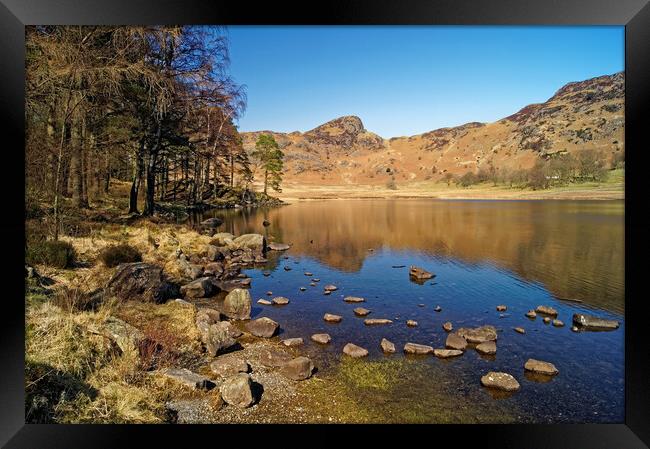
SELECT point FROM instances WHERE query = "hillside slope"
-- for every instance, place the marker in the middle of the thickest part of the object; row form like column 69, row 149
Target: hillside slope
column 579, row 116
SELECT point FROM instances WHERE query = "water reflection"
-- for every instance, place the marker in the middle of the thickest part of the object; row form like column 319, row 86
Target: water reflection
column 575, row 249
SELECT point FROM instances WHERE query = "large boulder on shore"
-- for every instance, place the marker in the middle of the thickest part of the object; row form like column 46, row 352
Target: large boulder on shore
column 590, row 322
column 255, row 242
column 218, row 338
column 299, row 368
column 199, row 288
column 141, row 281
column 237, row 304
column 237, row 391
column 222, row 239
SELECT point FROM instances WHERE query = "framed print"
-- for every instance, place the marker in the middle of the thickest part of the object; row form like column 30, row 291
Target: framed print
column 368, row 213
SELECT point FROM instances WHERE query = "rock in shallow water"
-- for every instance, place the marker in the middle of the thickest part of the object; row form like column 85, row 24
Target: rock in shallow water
column 520, row 330
column 262, row 327
column 292, row 342
column 478, row 334
column 264, row 302
column 360, row 311
column 387, row 346
column 448, row 327
column 321, row 338
column 531, row 314
column 487, row 348
column 411, row 323
column 540, row 367
column 236, row 390
column 414, row 348
column 354, row 351
column 278, row 246
column 330, row 318
column 446, row 353
column 280, row 301
column 590, row 322
column 455, row 341
column 353, row 299
column 502, row 308
column 419, row 273
column 374, row 321
column 500, row 381
column 546, row 310
column 330, row 287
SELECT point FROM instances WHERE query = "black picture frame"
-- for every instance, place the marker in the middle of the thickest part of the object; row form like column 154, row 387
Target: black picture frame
column 633, row 14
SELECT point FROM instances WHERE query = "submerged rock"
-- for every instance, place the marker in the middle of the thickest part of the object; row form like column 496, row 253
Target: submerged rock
column 360, row 311
column 500, row 381
column 355, row 351
column 557, row 323
column 411, row 323
column 292, row 342
column 590, row 322
column 455, row 341
column 330, row 318
column 520, row 330
column 537, row 366
column 237, row 304
column 373, row 321
column 487, row 348
column 353, row 299
column 262, row 327
column 321, row 338
column 236, row 390
column 330, row 288
column 299, row 368
column 387, row 346
column 414, row 348
column 446, row 353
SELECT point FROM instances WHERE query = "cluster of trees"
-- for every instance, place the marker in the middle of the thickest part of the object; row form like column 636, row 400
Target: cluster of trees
column 151, row 105
column 586, row 165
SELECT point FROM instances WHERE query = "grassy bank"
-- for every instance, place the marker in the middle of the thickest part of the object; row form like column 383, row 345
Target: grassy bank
column 610, row 189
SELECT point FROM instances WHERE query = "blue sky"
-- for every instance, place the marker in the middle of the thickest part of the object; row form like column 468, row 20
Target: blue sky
column 410, row 79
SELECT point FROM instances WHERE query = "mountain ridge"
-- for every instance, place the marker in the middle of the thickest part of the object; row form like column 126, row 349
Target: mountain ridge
column 580, row 115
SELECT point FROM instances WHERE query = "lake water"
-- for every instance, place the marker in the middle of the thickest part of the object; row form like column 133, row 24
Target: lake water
column 484, row 253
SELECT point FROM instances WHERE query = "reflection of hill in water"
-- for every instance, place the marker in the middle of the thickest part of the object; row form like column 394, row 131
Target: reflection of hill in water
column 575, row 249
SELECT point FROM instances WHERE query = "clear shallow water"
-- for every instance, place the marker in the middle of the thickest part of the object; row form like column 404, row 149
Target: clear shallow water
column 484, row 253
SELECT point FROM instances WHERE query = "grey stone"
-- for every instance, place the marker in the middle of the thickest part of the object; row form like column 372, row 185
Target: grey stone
column 262, row 327
column 236, row 390
column 500, row 381
column 355, row 351
column 237, row 304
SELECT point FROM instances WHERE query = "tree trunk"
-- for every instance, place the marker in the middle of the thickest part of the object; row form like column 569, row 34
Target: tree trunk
column 76, row 167
column 266, row 178
column 135, row 184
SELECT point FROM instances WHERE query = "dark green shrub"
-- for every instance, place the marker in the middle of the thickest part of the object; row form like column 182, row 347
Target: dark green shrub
column 54, row 253
column 115, row 255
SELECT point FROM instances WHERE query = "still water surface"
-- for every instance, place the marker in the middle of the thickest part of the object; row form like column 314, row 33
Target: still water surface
column 484, row 253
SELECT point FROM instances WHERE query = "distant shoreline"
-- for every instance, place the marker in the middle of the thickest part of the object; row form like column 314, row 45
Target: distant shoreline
column 294, row 193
